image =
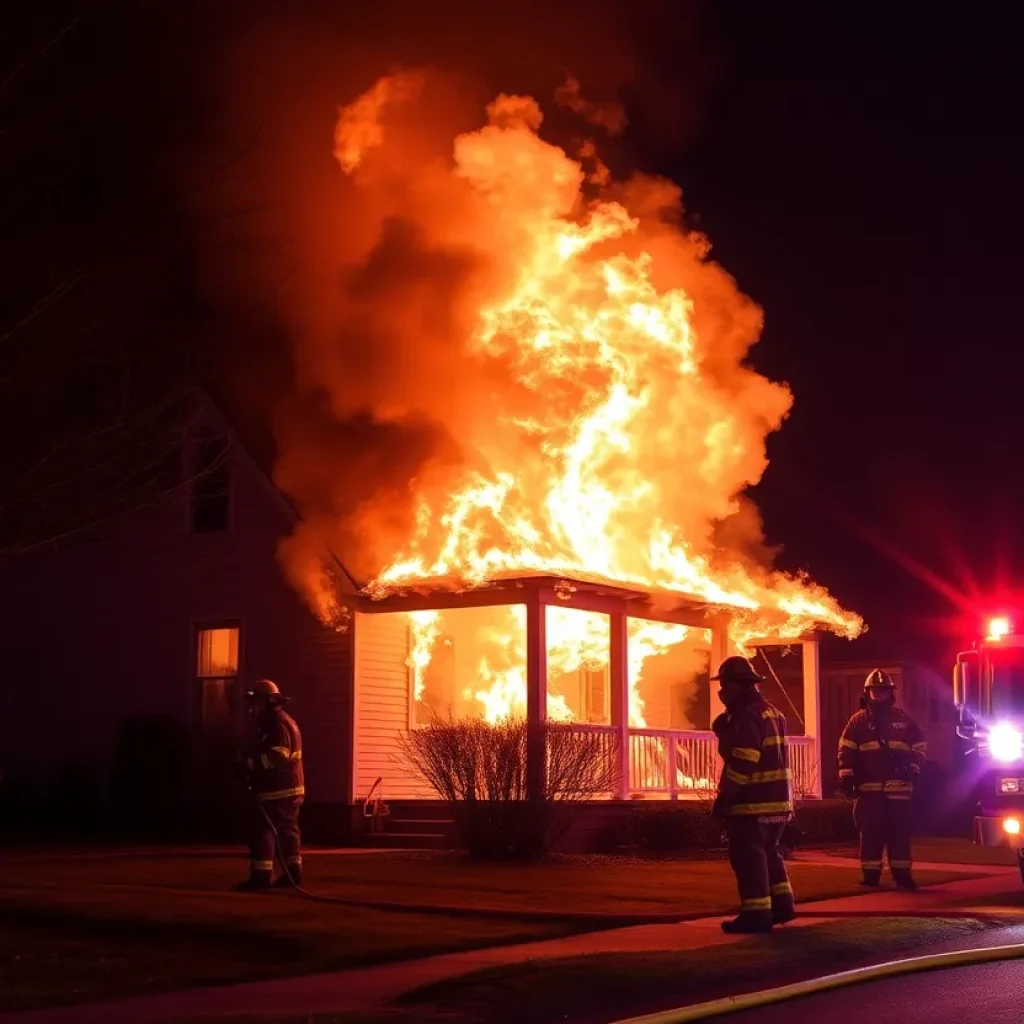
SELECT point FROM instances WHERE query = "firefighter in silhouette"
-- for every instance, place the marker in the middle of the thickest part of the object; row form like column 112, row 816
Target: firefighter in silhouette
column 880, row 756
column 754, row 797
column 273, row 760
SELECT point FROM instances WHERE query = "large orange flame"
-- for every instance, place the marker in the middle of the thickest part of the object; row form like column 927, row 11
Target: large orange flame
column 632, row 425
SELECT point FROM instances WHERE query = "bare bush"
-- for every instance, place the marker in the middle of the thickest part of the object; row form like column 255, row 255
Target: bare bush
column 805, row 780
column 482, row 771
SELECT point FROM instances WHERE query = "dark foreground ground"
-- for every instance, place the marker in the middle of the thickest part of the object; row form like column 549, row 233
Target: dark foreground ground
column 80, row 930
column 989, row 993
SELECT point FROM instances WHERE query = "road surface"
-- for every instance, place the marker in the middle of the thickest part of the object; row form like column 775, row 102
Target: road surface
column 989, row 993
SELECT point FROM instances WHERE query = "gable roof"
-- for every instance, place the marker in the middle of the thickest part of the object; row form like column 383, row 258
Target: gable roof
column 244, row 442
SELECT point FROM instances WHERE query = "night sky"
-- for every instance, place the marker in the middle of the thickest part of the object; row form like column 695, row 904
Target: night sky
column 860, row 175
column 857, row 171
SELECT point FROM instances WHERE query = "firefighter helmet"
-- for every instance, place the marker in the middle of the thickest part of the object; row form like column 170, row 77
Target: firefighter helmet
column 879, row 679
column 266, row 688
column 737, row 670
column 878, row 688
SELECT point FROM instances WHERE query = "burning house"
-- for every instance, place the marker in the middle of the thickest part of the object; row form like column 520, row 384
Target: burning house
column 545, row 515
column 588, row 556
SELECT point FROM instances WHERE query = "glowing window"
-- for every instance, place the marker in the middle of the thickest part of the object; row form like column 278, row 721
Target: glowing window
column 217, row 673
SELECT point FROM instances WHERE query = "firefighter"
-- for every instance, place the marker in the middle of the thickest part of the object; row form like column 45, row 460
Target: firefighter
column 880, row 756
column 274, row 764
column 754, row 797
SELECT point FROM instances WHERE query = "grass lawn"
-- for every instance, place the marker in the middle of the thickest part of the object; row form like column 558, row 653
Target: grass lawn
column 950, row 850
column 77, row 929
column 963, row 851
column 587, row 884
column 388, row 1015
column 608, row 986
column 57, row 951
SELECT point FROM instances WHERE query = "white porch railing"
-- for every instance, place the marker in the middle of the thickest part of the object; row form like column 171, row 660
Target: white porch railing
column 694, row 755
column 804, row 766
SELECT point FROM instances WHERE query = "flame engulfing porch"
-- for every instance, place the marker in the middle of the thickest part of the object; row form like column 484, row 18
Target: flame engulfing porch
column 629, row 665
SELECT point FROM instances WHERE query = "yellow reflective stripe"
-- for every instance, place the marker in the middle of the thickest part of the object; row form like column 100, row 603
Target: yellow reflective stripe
column 901, row 865
column 897, row 786
column 920, row 748
column 265, row 761
column 899, row 745
column 773, row 741
column 870, row 745
column 747, row 754
column 297, row 755
column 779, row 807
column 283, row 751
column 281, row 794
column 870, row 787
column 262, row 865
column 776, row 775
column 871, row 865
column 897, row 796
column 761, row 903
column 297, row 861
column 845, row 771
column 782, row 889
column 847, row 744
column 735, row 777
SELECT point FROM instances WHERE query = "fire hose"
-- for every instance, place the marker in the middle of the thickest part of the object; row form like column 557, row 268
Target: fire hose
column 308, row 893
column 298, row 887
column 830, row 982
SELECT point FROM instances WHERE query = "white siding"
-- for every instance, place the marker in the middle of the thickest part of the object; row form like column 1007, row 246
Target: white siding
column 383, row 693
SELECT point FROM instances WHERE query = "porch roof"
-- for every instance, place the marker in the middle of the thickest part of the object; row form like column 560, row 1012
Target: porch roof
column 575, row 590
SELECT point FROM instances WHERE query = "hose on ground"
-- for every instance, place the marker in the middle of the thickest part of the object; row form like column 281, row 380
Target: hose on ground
column 813, row 986
column 301, row 890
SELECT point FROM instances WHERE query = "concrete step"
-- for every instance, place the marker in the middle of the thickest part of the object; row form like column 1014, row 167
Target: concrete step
column 419, row 811
column 437, row 826
column 409, row 840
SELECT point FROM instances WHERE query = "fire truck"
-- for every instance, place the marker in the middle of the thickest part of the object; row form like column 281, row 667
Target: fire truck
column 988, row 688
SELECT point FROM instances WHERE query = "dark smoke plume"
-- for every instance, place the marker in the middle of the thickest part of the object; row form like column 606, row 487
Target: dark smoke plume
column 367, row 303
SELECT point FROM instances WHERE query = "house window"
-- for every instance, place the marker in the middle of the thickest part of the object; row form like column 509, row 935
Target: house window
column 682, row 697
column 211, row 486
column 594, row 682
column 217, row 675
column 438, row 684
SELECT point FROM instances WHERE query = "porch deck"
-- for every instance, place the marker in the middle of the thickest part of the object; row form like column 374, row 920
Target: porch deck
column 653, row 752
column 655, row 763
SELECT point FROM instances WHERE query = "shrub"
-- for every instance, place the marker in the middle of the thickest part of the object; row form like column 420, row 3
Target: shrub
column 805, row 780
column 151, row 773
column 687, row 826
column 482, row 772
column 76, row 799
column 170, row 784
column 825, row 821
column 667, row 826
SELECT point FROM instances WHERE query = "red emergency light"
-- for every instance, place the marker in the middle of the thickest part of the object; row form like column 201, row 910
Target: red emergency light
column 998, row 628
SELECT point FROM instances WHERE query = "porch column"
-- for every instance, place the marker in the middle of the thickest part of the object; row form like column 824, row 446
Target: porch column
column 812, row 706
column 618, row 672
column 720, row 650
column 536, row 697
